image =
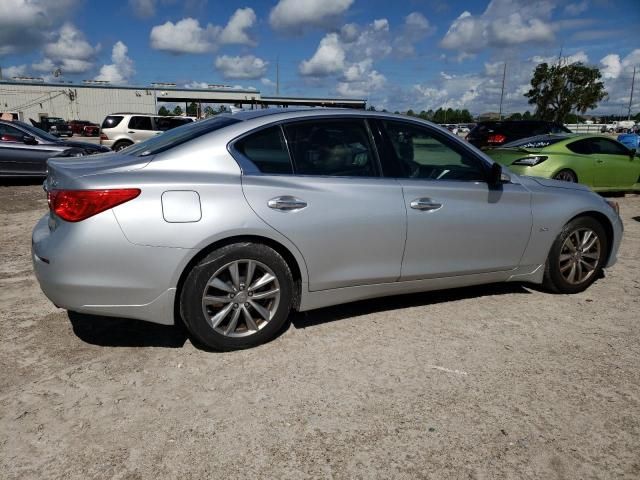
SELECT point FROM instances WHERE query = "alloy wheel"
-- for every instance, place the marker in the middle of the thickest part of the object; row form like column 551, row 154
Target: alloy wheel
column 565, row 176
column 579, row 256
column 241, row 298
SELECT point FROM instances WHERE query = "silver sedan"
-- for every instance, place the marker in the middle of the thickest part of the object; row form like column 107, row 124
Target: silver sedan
column 230, row 223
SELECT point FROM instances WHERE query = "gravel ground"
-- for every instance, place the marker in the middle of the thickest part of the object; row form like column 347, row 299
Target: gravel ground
column 494, row 382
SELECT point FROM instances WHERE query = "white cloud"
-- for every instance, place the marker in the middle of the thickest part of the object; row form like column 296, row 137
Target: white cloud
column 187, row 36
column 122, row 68
column 294, row 16
column 25, row 24
column 244, row 67
column 580, row 56
column 143, row 8
column 415, row 28
column 362, row 84
column 617, row 73
column 576, row 8
column 184, row 36
column 69, row 51
column 328, row 59
column 504, row 23
column 196, row 85
column 235, row 31
column 14, row 71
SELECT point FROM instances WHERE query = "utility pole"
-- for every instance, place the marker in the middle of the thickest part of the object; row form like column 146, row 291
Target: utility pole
column 633, row 81
column 277, row 76
column 504, row 74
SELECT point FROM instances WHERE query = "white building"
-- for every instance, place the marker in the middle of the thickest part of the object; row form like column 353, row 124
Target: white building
column 93, row 101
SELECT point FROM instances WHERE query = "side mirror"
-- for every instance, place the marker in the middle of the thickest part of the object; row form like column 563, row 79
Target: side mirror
column 497, row 176
column 29, row 140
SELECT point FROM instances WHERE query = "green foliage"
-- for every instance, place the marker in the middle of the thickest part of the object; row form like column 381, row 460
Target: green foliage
column 192, row 109
column 208, row 111
column 177, row 110
column 515, row 116
column 527, row 115
column 556, row 90
column 163, row 111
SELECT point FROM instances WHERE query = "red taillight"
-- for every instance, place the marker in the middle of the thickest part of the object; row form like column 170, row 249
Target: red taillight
column 103, row 136
column 496, row 138
column 77, row 205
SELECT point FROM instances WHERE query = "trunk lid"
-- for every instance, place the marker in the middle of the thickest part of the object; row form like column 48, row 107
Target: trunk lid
column 62, row 171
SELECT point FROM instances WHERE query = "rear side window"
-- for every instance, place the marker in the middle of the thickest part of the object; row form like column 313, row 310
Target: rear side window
column 140, row 123
column 338, row 148
column 605, row 146
column 581, row 147
column 112, row 121
column 266, row 150
column 167, row 123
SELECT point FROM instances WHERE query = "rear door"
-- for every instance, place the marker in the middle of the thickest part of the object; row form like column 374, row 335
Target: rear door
column 457, row 224
column 141, row 128
column 331, row 202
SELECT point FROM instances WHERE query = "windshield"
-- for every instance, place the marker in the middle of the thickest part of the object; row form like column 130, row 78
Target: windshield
column 178, row 136
column 40, row 133
column 540, row 141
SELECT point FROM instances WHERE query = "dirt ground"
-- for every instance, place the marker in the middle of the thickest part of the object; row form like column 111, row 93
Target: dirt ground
column 494, row 382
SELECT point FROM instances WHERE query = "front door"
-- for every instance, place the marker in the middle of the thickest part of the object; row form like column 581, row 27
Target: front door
column 457, row 224
column 347, row 221
column 615, row 167
column 140, row 128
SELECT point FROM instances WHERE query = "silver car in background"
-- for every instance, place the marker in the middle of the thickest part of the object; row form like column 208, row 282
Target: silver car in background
column 230, row 223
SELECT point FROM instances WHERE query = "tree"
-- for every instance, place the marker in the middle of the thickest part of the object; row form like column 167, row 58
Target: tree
column 411, row 113
column 515, row 116
column 208, row 111
column 192, row 109
column 163, row 111
column 556, row 90
column 371, row 108
column 177, row 110
column 527, row 115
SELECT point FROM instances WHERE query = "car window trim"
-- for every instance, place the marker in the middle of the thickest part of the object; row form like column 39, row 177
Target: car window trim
column 440, row 136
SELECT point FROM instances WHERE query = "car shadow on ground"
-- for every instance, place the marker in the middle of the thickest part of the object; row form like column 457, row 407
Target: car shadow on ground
column 398, row 302
column 26, row 181
column 637, row 219
column 124, row 332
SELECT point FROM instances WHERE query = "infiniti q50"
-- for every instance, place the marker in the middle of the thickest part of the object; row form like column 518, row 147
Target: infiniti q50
column 231, row 223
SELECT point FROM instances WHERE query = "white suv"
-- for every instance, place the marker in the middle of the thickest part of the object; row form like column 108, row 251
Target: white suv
column 119, row 130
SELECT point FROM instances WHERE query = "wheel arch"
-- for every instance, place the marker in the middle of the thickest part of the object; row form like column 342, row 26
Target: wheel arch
column 289, row 257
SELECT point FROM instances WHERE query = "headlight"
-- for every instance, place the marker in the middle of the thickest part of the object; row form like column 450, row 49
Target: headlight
column 531, row 161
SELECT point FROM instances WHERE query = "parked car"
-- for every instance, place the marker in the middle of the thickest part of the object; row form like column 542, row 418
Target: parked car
column 231, row 222
column 54, row 125
column 121, row 130
column 600, row 162
column 24, row 149
column 492, row 133
column 84, row 128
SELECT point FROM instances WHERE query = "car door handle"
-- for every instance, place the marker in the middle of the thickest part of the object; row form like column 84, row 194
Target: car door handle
column 286, row 203
column 424, row 204
column 130, row 131
column 599, row 161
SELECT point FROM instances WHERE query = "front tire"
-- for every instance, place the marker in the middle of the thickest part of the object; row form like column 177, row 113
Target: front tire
column 238, row 296
column 121, row 145
column 577, row 256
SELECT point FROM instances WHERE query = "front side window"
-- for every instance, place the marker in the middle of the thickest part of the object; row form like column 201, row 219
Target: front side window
column 266, row 150
column 140, row 123
column 425, row 156
column 605, row 146
column 338, row 148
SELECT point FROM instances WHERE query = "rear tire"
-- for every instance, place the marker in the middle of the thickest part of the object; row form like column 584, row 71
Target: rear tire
column 121, row 145
column 238, row 296
column 566, row 175
column 577, row 256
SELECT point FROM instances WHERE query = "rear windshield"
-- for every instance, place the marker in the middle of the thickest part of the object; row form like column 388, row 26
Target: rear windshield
column 112, row 121
column 541, row 141
column 178, row 136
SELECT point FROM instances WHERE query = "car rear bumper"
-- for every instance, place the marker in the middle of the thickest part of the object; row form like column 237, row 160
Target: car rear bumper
column 90, row 267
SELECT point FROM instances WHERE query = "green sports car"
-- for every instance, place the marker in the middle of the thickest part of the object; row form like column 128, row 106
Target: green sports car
column 600, row 162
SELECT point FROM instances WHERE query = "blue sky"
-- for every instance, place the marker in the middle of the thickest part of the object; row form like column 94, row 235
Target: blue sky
column 416, row 54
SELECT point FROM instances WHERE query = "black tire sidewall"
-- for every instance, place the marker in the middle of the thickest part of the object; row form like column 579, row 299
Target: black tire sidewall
column 553, row 268
column 567, row 170
column 193, row 288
